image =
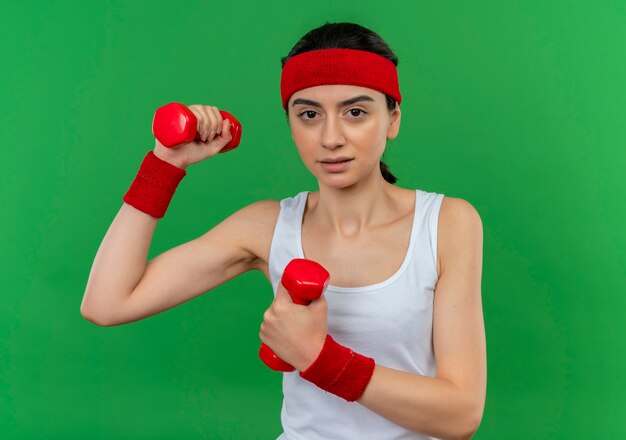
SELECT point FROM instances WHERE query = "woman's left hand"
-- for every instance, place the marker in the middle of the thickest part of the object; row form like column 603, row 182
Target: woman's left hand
column 294, row 332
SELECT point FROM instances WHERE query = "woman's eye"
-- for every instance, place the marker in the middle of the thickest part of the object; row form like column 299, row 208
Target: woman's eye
column 356, row 112
column 310, row 114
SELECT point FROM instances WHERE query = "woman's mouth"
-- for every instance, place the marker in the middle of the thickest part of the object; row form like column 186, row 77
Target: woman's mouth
column 336, row 167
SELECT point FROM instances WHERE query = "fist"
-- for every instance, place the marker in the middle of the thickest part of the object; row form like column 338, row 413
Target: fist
column 295, row 333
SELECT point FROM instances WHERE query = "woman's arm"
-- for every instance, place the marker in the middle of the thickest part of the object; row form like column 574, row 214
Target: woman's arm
column 449, row 406
column 120, row 278
column 123, row 287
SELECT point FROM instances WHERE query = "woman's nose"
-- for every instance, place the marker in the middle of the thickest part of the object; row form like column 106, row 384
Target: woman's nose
column 332, row 133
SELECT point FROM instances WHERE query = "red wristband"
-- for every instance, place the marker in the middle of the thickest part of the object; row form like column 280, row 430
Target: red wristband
column 154, row 186
column 340, row 371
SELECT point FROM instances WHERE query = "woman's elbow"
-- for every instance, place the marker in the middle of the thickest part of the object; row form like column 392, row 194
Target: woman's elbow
column 466, row 424
column 471, row 423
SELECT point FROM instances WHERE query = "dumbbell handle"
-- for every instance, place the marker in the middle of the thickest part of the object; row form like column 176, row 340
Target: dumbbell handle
column 175, row 124
column 305, row 280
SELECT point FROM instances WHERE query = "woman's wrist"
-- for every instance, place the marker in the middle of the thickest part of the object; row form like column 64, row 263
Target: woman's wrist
column 177, row 162
column 340, row 370
column 154, row 185
column 312, row 353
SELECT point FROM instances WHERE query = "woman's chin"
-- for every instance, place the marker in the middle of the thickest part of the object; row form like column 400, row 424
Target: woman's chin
column 337, row 181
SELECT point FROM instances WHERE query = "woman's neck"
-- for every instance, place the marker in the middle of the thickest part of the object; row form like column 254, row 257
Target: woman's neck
column 349, row 211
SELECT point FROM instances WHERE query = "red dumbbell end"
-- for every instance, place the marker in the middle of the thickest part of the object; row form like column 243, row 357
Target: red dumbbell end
column 274, row 362
column 235, row 131
column 305, row 280
column 174, row 124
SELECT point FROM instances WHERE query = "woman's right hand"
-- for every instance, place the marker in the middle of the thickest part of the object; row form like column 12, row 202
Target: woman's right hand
column 214, row 132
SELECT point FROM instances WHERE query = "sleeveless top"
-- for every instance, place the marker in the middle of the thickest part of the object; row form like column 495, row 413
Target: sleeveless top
column 390, row 321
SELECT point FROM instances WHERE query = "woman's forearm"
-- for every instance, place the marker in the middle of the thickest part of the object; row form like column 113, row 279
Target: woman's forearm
column 423, row 404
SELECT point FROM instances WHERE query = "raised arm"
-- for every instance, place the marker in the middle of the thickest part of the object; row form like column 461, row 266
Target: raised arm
column 122, row 287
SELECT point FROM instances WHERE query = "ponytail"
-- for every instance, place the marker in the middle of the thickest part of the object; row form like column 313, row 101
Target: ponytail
column 386, row 173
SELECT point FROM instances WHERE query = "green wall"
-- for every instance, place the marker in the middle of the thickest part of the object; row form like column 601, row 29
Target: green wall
column 515, row 106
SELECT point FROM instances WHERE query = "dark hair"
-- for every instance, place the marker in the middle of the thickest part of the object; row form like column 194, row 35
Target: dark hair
column 348, row 36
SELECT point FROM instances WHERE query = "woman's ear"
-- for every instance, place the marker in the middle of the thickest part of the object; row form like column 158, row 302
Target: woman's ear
column 394, row 123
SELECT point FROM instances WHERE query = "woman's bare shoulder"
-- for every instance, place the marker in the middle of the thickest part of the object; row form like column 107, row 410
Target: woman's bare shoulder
column 458, row 221
column 456, row 210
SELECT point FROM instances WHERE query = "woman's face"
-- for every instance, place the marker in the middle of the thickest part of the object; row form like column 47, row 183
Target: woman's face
column 341, row 121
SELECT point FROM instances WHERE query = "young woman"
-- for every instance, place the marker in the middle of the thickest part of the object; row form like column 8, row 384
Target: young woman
column 395, row 347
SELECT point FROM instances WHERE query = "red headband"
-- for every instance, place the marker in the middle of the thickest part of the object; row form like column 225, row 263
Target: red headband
column 339, row 66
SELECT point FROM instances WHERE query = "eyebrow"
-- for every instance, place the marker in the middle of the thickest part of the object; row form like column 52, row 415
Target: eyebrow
column 341, row 104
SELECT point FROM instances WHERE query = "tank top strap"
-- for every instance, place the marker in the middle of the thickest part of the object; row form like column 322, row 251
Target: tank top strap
column 426, row 219
column 284, row 241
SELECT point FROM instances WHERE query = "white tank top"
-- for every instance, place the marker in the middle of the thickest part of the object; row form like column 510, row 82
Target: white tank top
column 390, row 321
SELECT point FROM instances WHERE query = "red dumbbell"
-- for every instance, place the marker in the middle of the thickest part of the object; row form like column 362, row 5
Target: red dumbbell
column 305, row 280
column 175, row 124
